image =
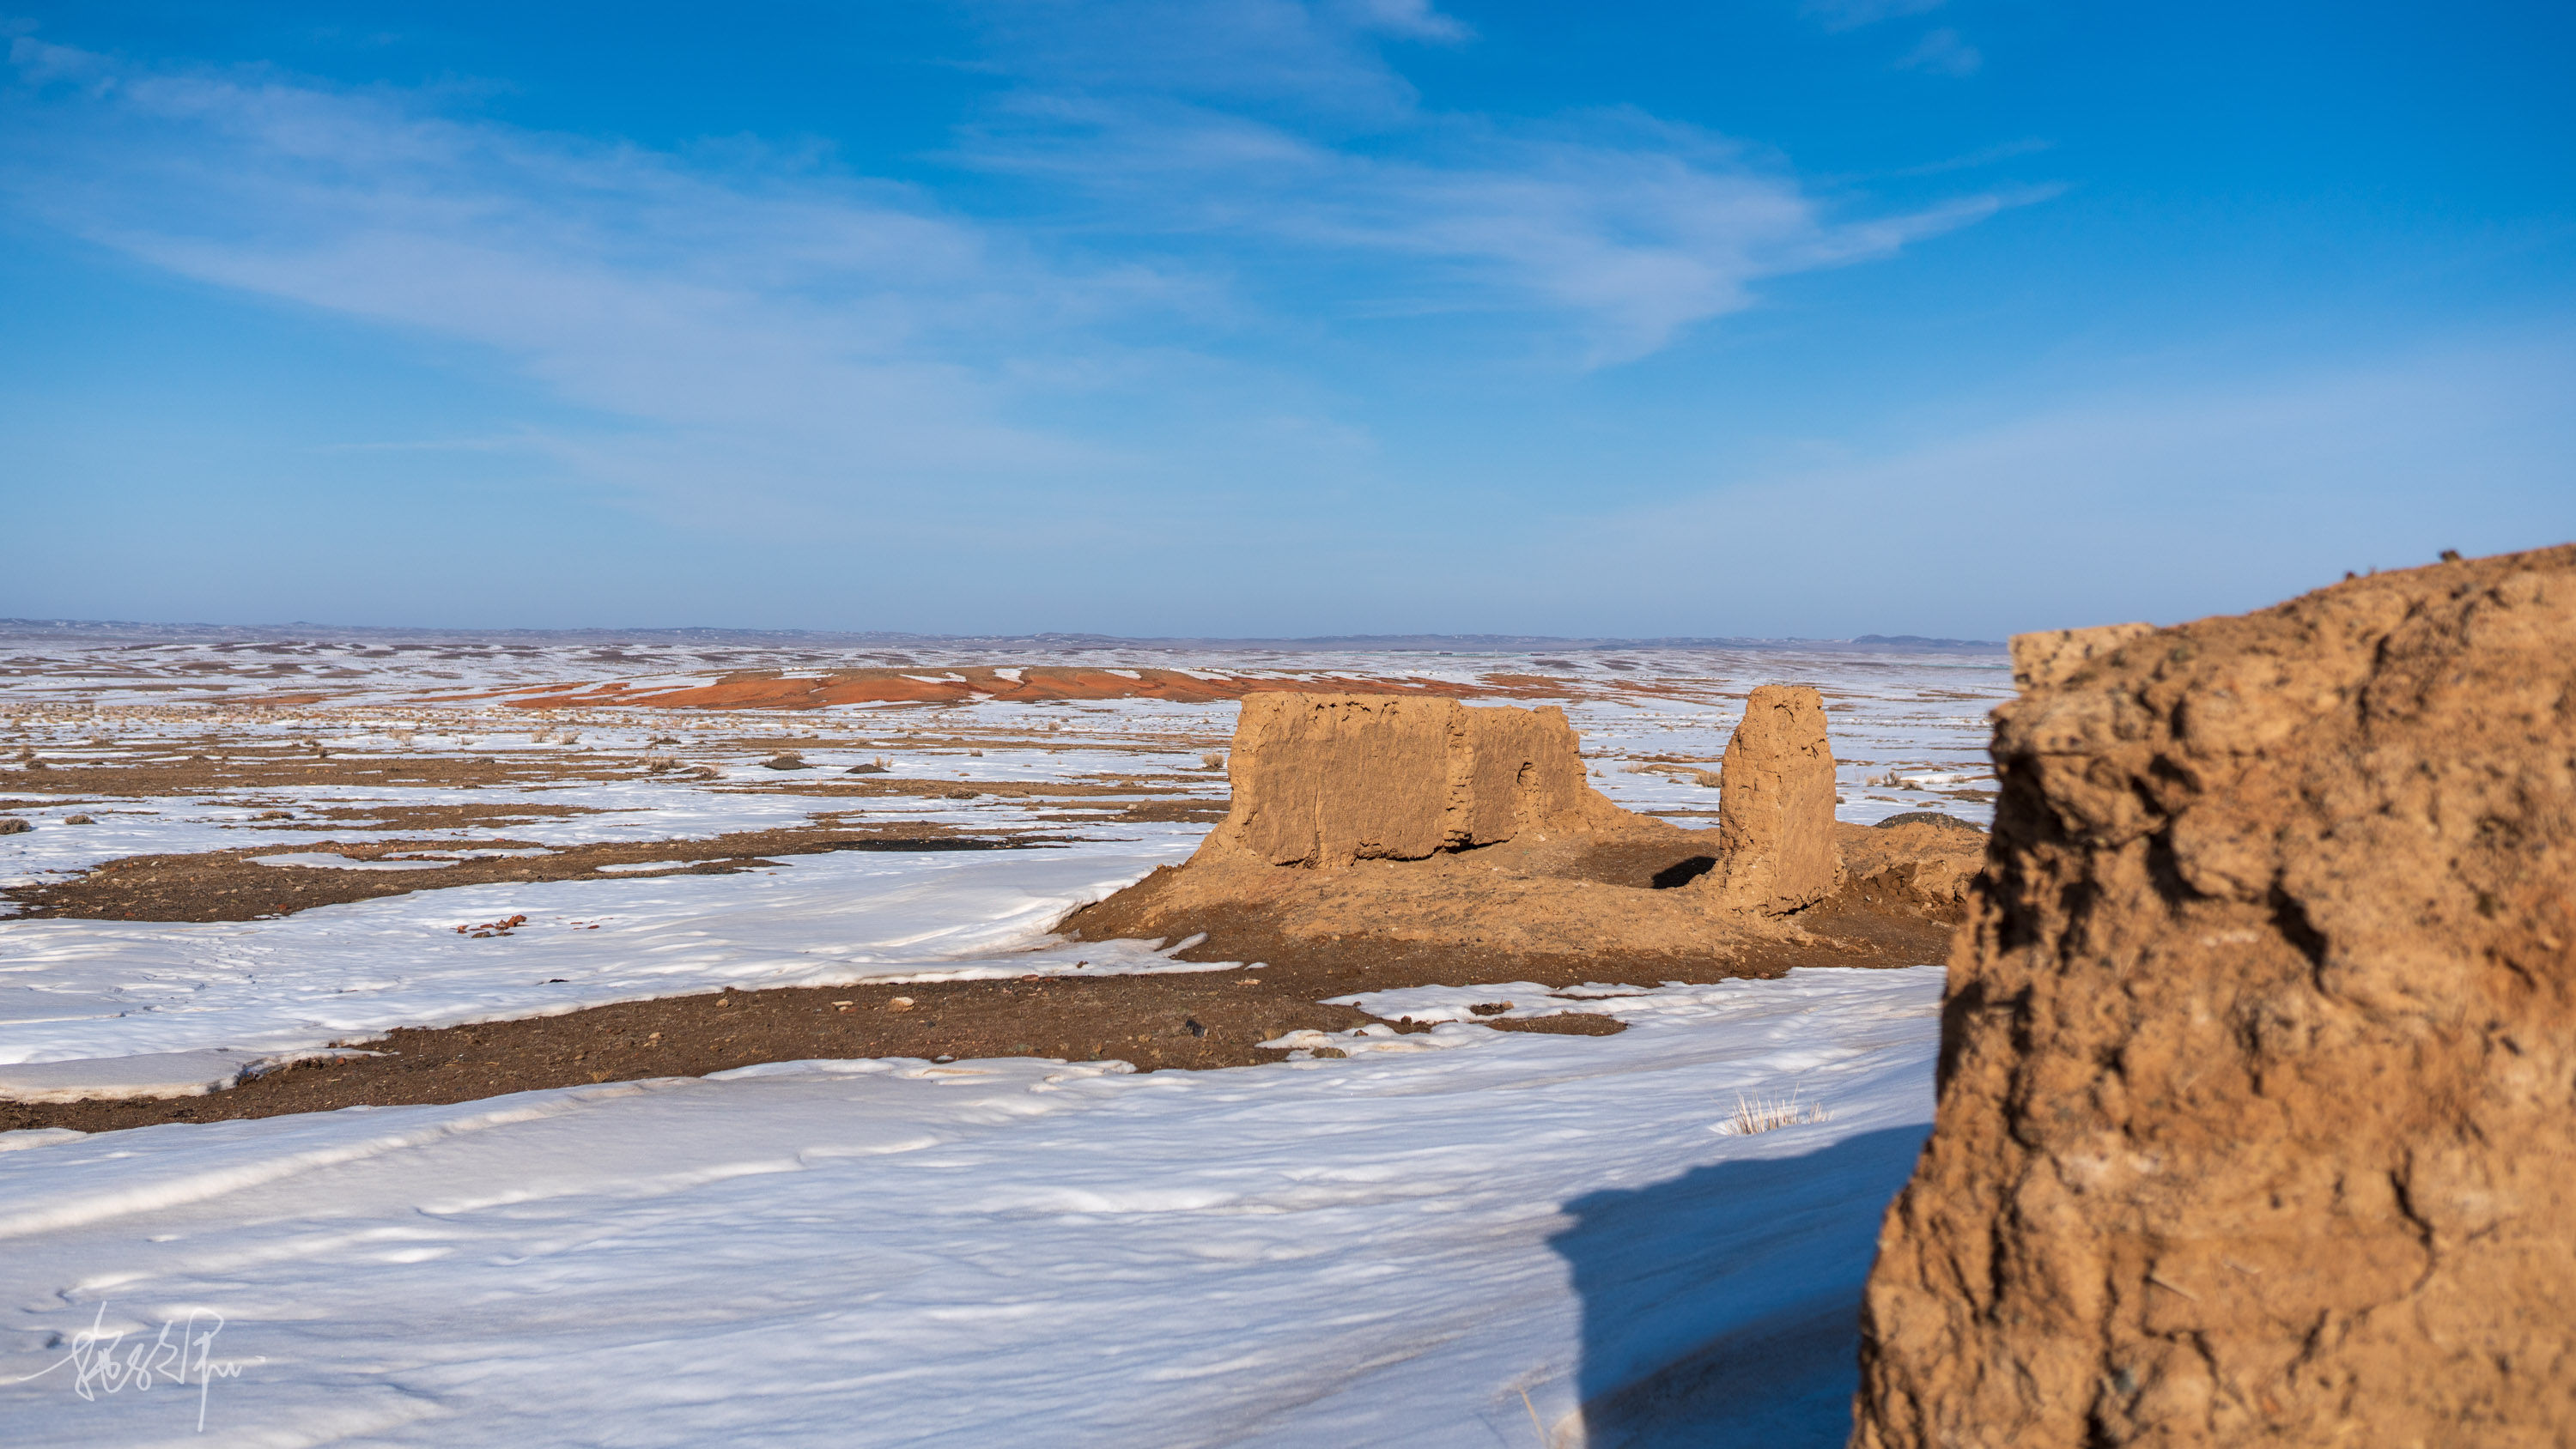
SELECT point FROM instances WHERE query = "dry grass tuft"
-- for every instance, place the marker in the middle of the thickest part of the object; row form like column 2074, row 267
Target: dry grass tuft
column 1765, row 1114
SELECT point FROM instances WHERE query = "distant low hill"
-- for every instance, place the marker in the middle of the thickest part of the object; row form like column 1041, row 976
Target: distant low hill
column 106, row 631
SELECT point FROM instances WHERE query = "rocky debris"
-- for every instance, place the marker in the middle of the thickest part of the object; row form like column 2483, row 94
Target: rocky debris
column 1929, row 862
column 2259, row 1052
column 1324, row 780
column 1775, row 806
column 1927, row 817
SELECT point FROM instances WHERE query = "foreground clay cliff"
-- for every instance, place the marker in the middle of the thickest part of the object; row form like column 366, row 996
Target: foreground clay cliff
column 2257, row 1117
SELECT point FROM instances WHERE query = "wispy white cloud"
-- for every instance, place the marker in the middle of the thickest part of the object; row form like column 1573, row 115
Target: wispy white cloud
column 1853, row 14
column 1942, row 52
column 735, row 321
column 849, row 321
column 1321, row 58
column 1280, row 130
column 1623, row 229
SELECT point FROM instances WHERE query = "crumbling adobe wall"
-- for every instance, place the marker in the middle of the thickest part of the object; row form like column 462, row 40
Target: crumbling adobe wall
column 1325, row 780
column 1775, row 824
column 2257, row 1095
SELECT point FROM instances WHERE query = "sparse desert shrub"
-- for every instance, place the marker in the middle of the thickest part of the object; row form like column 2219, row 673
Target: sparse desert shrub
column 12, row 825
column 78, row 820
column 1758, row 1113
column 1705, row 779
column 786, row 760
column 1212, row 760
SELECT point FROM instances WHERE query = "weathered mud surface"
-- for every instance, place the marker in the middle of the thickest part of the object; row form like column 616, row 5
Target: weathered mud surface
column 231, row 885
column 2259, row 1055
column 1775, row 851
column 1434, row 831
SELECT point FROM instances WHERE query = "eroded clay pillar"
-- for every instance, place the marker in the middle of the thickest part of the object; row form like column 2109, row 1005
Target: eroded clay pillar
column 1776, row 806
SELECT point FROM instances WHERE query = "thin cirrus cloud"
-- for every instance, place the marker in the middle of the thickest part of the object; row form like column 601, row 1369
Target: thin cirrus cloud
column 1853, row 14
column 1942, row 52
column 770, row 320
column 1615, row 231
column 830, row 317
column 1318, row 59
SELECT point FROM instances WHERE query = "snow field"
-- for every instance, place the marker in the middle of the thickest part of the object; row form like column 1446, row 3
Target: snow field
column 1389, row 1250
column 100, row 990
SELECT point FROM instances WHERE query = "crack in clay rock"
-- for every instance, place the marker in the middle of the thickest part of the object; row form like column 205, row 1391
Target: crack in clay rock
column 2258, row 1056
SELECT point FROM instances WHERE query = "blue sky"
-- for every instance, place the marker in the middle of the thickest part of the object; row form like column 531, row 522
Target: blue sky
column 1762, row 317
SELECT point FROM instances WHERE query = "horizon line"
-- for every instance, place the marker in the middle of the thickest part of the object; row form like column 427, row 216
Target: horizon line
column 305, row 631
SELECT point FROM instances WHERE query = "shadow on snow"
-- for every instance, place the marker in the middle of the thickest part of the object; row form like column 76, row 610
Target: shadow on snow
column 1722, row 1308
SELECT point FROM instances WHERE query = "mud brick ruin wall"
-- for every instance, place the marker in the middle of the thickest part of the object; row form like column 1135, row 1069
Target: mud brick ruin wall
column 1328, row 779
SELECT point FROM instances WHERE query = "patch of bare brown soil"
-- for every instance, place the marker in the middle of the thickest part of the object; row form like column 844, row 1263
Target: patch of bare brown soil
column 229, row 885
column 864, row 787
column 1159, row 812
column 1162, row 1020
column 368, row 815
column 288, row 769
column 1859, row 927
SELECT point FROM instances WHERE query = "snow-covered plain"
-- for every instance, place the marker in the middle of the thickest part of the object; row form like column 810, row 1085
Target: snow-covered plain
column 1390, row 1249
column 77, row 989
column 1467, row 1237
